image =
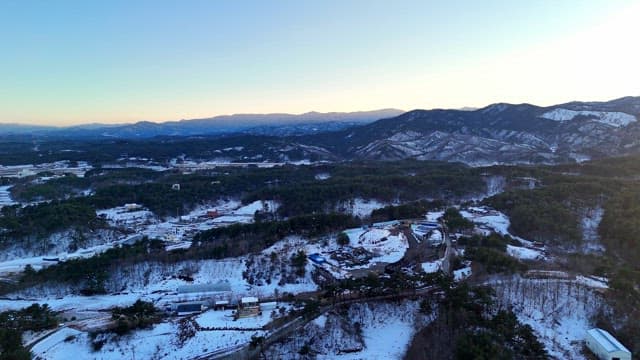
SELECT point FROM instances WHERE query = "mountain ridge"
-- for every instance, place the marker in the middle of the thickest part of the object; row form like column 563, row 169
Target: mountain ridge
column 205, row 126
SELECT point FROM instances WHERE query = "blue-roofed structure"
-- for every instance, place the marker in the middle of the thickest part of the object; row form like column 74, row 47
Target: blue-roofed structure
column 429, row 224
column 605, row 346
column 317, row 258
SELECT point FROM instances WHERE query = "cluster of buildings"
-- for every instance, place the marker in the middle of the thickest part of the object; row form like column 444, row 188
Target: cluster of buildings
column 248, row 306
column 429, row 232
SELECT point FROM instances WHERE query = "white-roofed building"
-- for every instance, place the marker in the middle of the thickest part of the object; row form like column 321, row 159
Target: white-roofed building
column 248, row 307
column 605, row 346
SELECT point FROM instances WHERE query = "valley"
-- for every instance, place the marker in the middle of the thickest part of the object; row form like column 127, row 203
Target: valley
column 363, row 249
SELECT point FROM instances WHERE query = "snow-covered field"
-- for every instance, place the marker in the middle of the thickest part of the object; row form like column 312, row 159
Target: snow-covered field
column 493, row 219
column 499, row 223
column 224, row 319
column 160, row 342
column 387, row 246
column 524, row 253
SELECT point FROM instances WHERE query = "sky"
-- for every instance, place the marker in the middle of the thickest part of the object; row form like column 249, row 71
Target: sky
column 67, row 62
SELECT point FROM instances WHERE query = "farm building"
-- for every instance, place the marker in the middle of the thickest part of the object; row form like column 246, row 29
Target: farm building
column 268, row 306
column 189, row 308
column 605, row 346
column 248, row 307
column 221, row 286
column 429, row 224
column 385, row 224
column 221, row 304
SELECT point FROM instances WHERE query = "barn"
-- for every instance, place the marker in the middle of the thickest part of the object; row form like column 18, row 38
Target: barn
column 605, row 346
column 220, row 286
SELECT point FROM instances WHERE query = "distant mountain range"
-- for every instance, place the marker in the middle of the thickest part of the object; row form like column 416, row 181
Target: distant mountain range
column 259, row 124
column 497, row 134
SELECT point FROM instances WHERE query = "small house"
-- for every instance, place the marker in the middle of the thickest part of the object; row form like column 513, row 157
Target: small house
column 248, row 307
column 132, row 207
column 220, row 304
column 189, row 308
column 605, row 346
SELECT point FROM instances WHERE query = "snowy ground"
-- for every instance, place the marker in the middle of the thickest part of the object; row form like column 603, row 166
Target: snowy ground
column 499, row 223
column 19, row 254
column 273, row 275
column 386, row 245
column 524, row 253
column 385, row 331
column 589, row 225
column 559, row 311
column 432, row 266
column 433, row 216
column 158, row 283
column 361, row 207
column 225, row 319
column 160, row 342
column 322, row 176
column 178, row 229
column 493, row 219
column 461, row 274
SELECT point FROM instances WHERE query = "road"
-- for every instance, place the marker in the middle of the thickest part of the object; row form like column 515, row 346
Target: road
column 449, row 251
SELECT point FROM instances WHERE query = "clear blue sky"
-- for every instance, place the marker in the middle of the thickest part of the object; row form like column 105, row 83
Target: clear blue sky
column 64, row 62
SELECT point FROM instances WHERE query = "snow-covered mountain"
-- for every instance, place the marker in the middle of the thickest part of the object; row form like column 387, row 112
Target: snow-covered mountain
column 498, row 133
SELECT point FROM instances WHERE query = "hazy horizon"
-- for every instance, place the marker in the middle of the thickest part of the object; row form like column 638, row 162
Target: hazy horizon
column 74, row 62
